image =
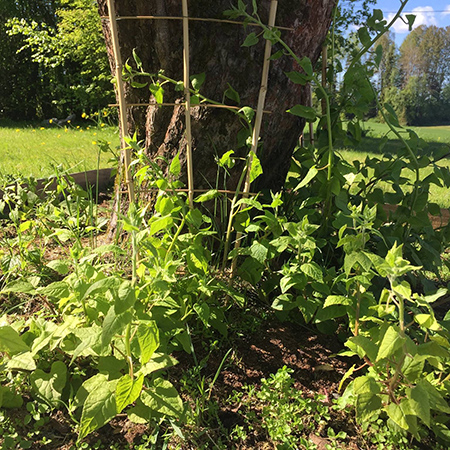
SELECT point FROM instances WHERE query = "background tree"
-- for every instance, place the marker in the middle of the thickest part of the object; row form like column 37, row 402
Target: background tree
column 425, row 68
column 216, row 49
column 62, row 63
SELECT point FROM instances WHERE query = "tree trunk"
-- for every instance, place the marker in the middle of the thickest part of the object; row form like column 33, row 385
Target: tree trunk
column 216, row 49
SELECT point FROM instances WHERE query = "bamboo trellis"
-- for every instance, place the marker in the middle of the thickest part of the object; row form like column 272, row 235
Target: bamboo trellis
column 123, row 106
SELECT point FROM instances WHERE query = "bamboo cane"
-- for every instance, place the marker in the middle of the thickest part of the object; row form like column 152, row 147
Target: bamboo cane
column 121, row 97
column 187, row 95
column 258, row 117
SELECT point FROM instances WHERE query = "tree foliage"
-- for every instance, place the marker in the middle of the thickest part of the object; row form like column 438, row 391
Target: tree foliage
column 60, row 46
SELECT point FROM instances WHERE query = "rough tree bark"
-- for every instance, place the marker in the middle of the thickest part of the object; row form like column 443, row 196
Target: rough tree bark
column 216, row 50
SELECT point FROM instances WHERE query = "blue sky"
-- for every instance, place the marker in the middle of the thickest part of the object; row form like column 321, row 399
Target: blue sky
column 427, row 12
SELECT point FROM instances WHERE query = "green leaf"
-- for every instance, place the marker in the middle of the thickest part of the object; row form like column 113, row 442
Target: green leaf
column 175, row 166
column 114, row 324
column 197, row 80
column 158, row 361
column 367, row 405
column 365, row 384
column 255, row 169
column 259, row 252
column 50, row 385
column 232, row 94
column 419, row 404
column 306, row 65
column 160, row 223
column 203, row 311
column 248, row 113
column 128, row 391
column 312, row 172
column 297, row 77
column 390, row 343
column 22, row 361
column 364, row 36
column 21, row 286
column 436, row 400
column 250, row 40
column 57, row 290
column 163, row 398
column 62, row 267
column 211, row 194
column 102, row 285
column 337, row 300
column 363, row 346
column 148, row 339
column 284, row 302
column 11, row 342
column 397, row 415
column 157, row 91
column 307, row 112
column 126, row 297
column 100, row 405
column 313, row 271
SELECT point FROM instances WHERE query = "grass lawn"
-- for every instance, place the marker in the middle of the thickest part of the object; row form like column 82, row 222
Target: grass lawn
column 436, row 137
column 35, row 150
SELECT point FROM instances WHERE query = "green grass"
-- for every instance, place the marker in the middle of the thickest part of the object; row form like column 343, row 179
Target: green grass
column 35, row 150
column 437, row 138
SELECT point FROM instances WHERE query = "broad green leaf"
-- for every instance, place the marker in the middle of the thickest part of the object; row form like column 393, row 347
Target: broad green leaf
column 114, row 324
column 99, row 407
column 227, row 159
column 255, row 169
column 175, row 166
column 203, row 311
column 390, row 343
column 102, row 286
column 140, row 413
column 437, row 401
column 211, row 194
column 307, row 112
column 306, row 65
column 21, row 286
column 22, row 361
column 365, row 384
column 232, row 94
column 313, row 271
column 157, row 362
column 297, row 77
column 363, row 346
column 157, row 91
column 50, row 385
column 337, row 300
column 127, row 391
column 248, row 113
column 427, row 321
column 11, row 342
column 250, row 40
column 10, row 399
column 91, row 342
column 259, row 252
column 312, row 172
column 57, row 290
column 397, row 415
column 364, row 36
column 296, row 279
column 196, row 261
column 126, row 297
column 148, row 339
column 418, row 404
column 402, row 288
column 197, row 80
column 163, row 398
column 160, row 223
column 367, row 405
column 284, row 302
column 62, row 267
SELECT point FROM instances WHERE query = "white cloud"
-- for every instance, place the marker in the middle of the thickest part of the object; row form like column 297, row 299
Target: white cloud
column 425, row 15
column 447, row 11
